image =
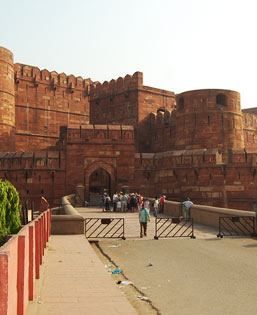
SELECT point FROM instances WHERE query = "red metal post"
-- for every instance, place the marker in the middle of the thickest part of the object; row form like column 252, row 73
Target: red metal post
column 20, row 274
column 31, row 263
column 37, row 249
column 4, row 283
column 40, row 241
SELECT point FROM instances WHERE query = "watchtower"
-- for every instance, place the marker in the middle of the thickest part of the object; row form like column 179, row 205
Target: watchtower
column 209, row 119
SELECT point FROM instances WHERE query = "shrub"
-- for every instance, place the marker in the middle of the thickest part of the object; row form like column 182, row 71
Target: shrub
column 10, row 222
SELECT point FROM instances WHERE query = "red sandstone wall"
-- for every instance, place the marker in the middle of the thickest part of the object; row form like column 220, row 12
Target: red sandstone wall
column 35, row 174
column 250, row 130
column 163, row 130
column 151, row 100
column 199, row 121
column 202, row 122
column 116, row 102
column 200, row 175
column 45, row 101
column 7, row 108
column 100, row 147
column 127, row 101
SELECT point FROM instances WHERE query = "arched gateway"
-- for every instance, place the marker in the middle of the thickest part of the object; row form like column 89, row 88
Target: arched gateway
column 99, row 181
column 100, row 177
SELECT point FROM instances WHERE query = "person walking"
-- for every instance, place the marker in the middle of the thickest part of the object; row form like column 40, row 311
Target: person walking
column 186, row 208
column 144, row 217
column 147, row 205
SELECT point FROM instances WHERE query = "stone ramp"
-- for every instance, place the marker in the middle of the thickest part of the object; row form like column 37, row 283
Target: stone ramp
column 74, row 281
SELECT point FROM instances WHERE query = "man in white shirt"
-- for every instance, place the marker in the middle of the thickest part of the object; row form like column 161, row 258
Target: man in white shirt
column 115, row 199
column 186, row 208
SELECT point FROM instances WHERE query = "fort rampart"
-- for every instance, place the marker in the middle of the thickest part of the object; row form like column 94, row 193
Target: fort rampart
column 45, row 101
column 59, row 131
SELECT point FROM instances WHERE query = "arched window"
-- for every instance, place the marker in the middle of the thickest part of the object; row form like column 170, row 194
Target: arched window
column 181, row 103
column 221, row 99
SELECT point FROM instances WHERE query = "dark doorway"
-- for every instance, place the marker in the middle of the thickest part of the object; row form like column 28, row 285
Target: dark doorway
column 99, row 182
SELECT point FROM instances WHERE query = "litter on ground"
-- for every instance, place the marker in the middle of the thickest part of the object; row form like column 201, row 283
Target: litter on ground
column 116, row 271
column 143, row 297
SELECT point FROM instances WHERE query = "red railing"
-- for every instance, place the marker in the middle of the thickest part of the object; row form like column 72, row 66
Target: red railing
column 20, row 260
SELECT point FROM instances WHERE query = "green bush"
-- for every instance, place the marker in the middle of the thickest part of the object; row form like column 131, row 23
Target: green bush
column 10, row 222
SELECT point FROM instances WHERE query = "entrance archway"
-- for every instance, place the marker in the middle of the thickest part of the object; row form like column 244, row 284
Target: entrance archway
column 99, row 182
column 99, row 176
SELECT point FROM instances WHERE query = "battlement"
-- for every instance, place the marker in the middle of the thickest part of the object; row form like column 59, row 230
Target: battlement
column 98, row 133
column 163, row 118
column 121, row 85
column 30, row 73
column 195, row 158
column 31, row 160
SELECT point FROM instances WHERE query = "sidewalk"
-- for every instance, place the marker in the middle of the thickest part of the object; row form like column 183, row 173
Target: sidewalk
column 74, row 281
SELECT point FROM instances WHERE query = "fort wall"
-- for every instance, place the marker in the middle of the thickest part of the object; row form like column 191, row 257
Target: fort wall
column 202, row 119
column 201, row 175
column 108, row 147
column 65, row 131
column 44, row 101
column 127, row 101
column 250, row 130
column 35, row 174
column 209, row 119
column 7, row 100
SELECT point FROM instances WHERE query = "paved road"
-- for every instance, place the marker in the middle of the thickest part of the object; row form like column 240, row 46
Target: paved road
column 201, row 276
column 198, row 276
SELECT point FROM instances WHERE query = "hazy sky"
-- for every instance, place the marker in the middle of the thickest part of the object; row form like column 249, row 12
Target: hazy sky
column 179, row 45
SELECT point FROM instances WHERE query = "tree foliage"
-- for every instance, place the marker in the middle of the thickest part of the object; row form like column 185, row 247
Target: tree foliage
column 10, row 222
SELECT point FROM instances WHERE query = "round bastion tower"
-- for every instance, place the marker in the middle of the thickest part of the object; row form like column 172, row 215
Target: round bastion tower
column 7, row 101
column 209, row 119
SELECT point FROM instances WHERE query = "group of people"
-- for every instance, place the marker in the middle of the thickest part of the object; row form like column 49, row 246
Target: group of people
column 123, row 202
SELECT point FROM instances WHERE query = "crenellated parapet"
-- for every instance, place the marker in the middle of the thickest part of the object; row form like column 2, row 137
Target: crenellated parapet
column 163, row 119
column 41, row 160
column 37, row 76
column 113, row 87
column 45, row 100
column 99, row 133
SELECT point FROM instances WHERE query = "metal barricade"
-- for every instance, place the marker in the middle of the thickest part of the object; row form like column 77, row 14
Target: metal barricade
column 173, row 227
column 236, row 226
column 105, row 228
